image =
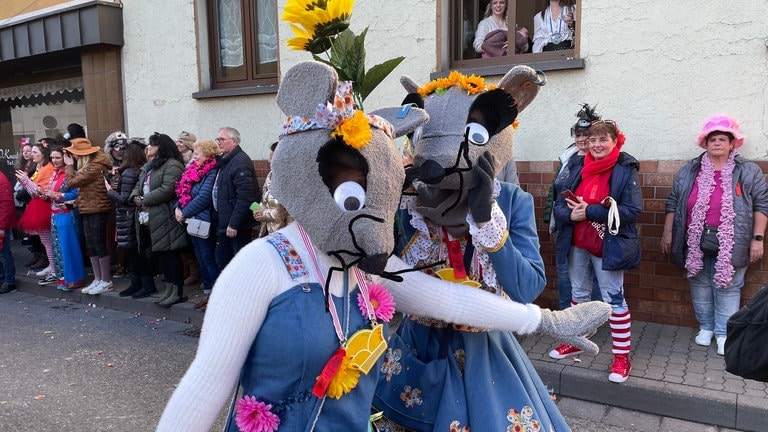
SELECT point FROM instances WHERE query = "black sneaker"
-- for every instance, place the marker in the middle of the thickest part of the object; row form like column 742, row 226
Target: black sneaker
column 7, row 288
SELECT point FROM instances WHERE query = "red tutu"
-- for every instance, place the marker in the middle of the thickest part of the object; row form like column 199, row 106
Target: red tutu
column 36, row 217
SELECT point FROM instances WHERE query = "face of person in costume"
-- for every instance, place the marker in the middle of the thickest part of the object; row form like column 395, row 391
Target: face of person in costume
column 56, row 159
column 719, row 145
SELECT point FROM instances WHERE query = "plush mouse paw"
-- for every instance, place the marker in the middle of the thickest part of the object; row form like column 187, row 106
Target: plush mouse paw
column 569, row 326
column 480, row 197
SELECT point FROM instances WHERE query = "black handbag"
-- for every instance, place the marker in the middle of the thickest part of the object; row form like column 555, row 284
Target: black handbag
column 710, row 245
column 746, row 345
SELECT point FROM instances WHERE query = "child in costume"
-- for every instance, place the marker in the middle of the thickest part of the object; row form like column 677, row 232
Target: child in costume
column 462, row 224
column 287, row 326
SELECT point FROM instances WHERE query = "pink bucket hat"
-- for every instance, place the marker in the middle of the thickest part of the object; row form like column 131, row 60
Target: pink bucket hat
column 721, row 123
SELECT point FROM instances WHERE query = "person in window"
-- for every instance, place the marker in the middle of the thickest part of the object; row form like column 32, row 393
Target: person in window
column 553, row 26
column 718, row 191
column 491, row 34
column 607, row 184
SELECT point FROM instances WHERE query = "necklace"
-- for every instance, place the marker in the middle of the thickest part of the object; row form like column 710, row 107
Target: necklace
column 355, row 354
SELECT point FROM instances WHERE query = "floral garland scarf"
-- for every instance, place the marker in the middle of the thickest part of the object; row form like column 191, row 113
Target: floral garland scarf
column 694, row 262
column 192, row 175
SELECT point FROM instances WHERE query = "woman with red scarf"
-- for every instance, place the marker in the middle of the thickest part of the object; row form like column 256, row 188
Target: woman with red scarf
column 195, row 201
column 599, row 221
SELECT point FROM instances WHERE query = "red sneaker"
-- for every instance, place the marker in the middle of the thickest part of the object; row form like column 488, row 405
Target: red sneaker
column 564, row 351
column 620, row 368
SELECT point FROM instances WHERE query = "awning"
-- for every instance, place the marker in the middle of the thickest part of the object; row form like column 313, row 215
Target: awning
column 67, row 90
column 79, row 24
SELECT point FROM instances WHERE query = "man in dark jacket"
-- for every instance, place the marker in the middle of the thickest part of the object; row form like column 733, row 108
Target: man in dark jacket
column 234, row 190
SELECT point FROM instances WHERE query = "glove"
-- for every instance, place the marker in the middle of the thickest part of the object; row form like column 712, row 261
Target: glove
column 569, row 326
column 480, row 196
column 137, row 201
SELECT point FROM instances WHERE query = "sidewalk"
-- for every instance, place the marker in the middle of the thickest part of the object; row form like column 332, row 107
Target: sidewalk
column 671, row 376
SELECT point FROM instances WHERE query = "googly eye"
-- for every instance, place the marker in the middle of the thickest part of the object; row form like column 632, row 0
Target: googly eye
column 349, row 196
column 477, row 134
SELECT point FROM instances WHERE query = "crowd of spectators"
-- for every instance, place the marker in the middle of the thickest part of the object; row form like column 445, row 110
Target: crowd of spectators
column 128, row 208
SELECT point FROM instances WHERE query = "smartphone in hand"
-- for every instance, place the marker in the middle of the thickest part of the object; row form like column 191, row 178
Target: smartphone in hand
column 567, row 194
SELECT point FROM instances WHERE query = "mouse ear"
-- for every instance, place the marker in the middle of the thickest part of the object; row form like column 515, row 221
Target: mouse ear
column 409, row 84
column 404, row 119
column 523, row 83
column 304, row 86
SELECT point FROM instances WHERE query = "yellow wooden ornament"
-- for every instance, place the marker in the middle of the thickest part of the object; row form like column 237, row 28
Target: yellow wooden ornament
column 365, row 347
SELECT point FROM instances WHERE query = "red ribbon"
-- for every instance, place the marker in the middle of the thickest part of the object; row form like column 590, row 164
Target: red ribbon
column 329, row 371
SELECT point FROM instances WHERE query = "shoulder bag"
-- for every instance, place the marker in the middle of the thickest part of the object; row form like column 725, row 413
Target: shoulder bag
column 198, row 228
column 746, row 345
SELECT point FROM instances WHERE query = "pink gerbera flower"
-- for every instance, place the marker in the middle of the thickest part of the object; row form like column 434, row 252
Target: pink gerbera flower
column 255, row 416
column 382, row 301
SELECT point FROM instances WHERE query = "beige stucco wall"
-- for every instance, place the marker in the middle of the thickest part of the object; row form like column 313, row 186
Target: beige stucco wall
column 659, row 68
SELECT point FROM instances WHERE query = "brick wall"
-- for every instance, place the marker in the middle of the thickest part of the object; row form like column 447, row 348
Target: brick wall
column 658, row 291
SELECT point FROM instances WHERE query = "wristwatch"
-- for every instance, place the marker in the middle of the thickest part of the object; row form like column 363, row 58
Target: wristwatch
column 757, row 237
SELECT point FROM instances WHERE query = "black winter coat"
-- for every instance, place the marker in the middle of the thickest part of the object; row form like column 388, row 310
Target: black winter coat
column 236, row 189
column 126, row 210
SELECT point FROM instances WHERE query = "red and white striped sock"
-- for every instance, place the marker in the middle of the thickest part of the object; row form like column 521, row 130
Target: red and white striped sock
column 621, row 331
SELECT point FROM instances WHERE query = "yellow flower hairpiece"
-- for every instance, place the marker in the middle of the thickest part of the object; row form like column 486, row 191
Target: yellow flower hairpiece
column 355, row 130
column 473, row 84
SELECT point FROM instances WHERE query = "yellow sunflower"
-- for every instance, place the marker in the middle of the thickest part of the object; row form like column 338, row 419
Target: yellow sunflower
column 314, row 22
column 355, row 130
column 344, row 381
column 473, row 84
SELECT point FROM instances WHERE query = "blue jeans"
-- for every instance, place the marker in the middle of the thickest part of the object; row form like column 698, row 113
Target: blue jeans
column 7, row 266
column 611, row 281
column 713, row 306
column 205, row 252
column 227, row 248
column 564, row 286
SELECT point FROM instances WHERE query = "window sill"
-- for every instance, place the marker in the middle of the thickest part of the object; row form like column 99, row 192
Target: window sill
column 501, row 69
column 239, row 91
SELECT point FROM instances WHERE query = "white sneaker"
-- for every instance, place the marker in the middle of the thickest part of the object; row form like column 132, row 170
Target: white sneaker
column 92, row 285
column 721, row 345
column 704, row 337
column 44, row 273
column 101, row 288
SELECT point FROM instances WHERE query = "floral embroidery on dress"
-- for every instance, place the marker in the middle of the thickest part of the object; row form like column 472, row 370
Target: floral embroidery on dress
column 391, row 364
column 291, row 258
column 411, row 396
column 457, row 427
column 522, row 421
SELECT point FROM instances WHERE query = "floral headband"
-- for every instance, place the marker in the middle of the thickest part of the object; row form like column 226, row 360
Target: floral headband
column 342, row 118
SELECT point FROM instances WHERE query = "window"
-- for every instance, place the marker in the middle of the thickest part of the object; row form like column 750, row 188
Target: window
column 467, row 23
column 243, row 41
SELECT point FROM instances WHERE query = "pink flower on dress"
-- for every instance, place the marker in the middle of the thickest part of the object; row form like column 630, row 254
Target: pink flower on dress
column 382, row 301
column 255, row 416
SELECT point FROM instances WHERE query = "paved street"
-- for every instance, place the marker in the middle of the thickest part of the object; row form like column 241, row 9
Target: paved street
column 67, row 366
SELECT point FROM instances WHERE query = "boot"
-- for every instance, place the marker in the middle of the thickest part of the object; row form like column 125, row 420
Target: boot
column 134, row 288
column 177, row 296
column 147, row 288
column 193, row 272
column 167, row 292
column 33, row 261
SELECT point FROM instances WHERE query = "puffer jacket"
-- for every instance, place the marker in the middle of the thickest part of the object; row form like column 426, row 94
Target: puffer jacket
column 201, row 206
column 750, row 194
column 237, row 188
column 125, row 212
column 166, row 233
column 90, row 182
column 620, row 251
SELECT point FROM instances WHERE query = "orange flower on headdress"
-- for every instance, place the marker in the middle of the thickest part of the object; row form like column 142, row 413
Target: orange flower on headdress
column 355, row 130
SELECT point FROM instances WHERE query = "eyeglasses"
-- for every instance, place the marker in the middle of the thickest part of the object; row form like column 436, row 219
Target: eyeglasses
column 220, row 140
column 609, row 122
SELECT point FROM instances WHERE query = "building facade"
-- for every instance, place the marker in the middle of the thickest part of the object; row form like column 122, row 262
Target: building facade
column 659, row 68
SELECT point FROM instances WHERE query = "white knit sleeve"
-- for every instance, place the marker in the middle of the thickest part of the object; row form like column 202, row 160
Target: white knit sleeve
column 425, row 295
column 238, row 305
